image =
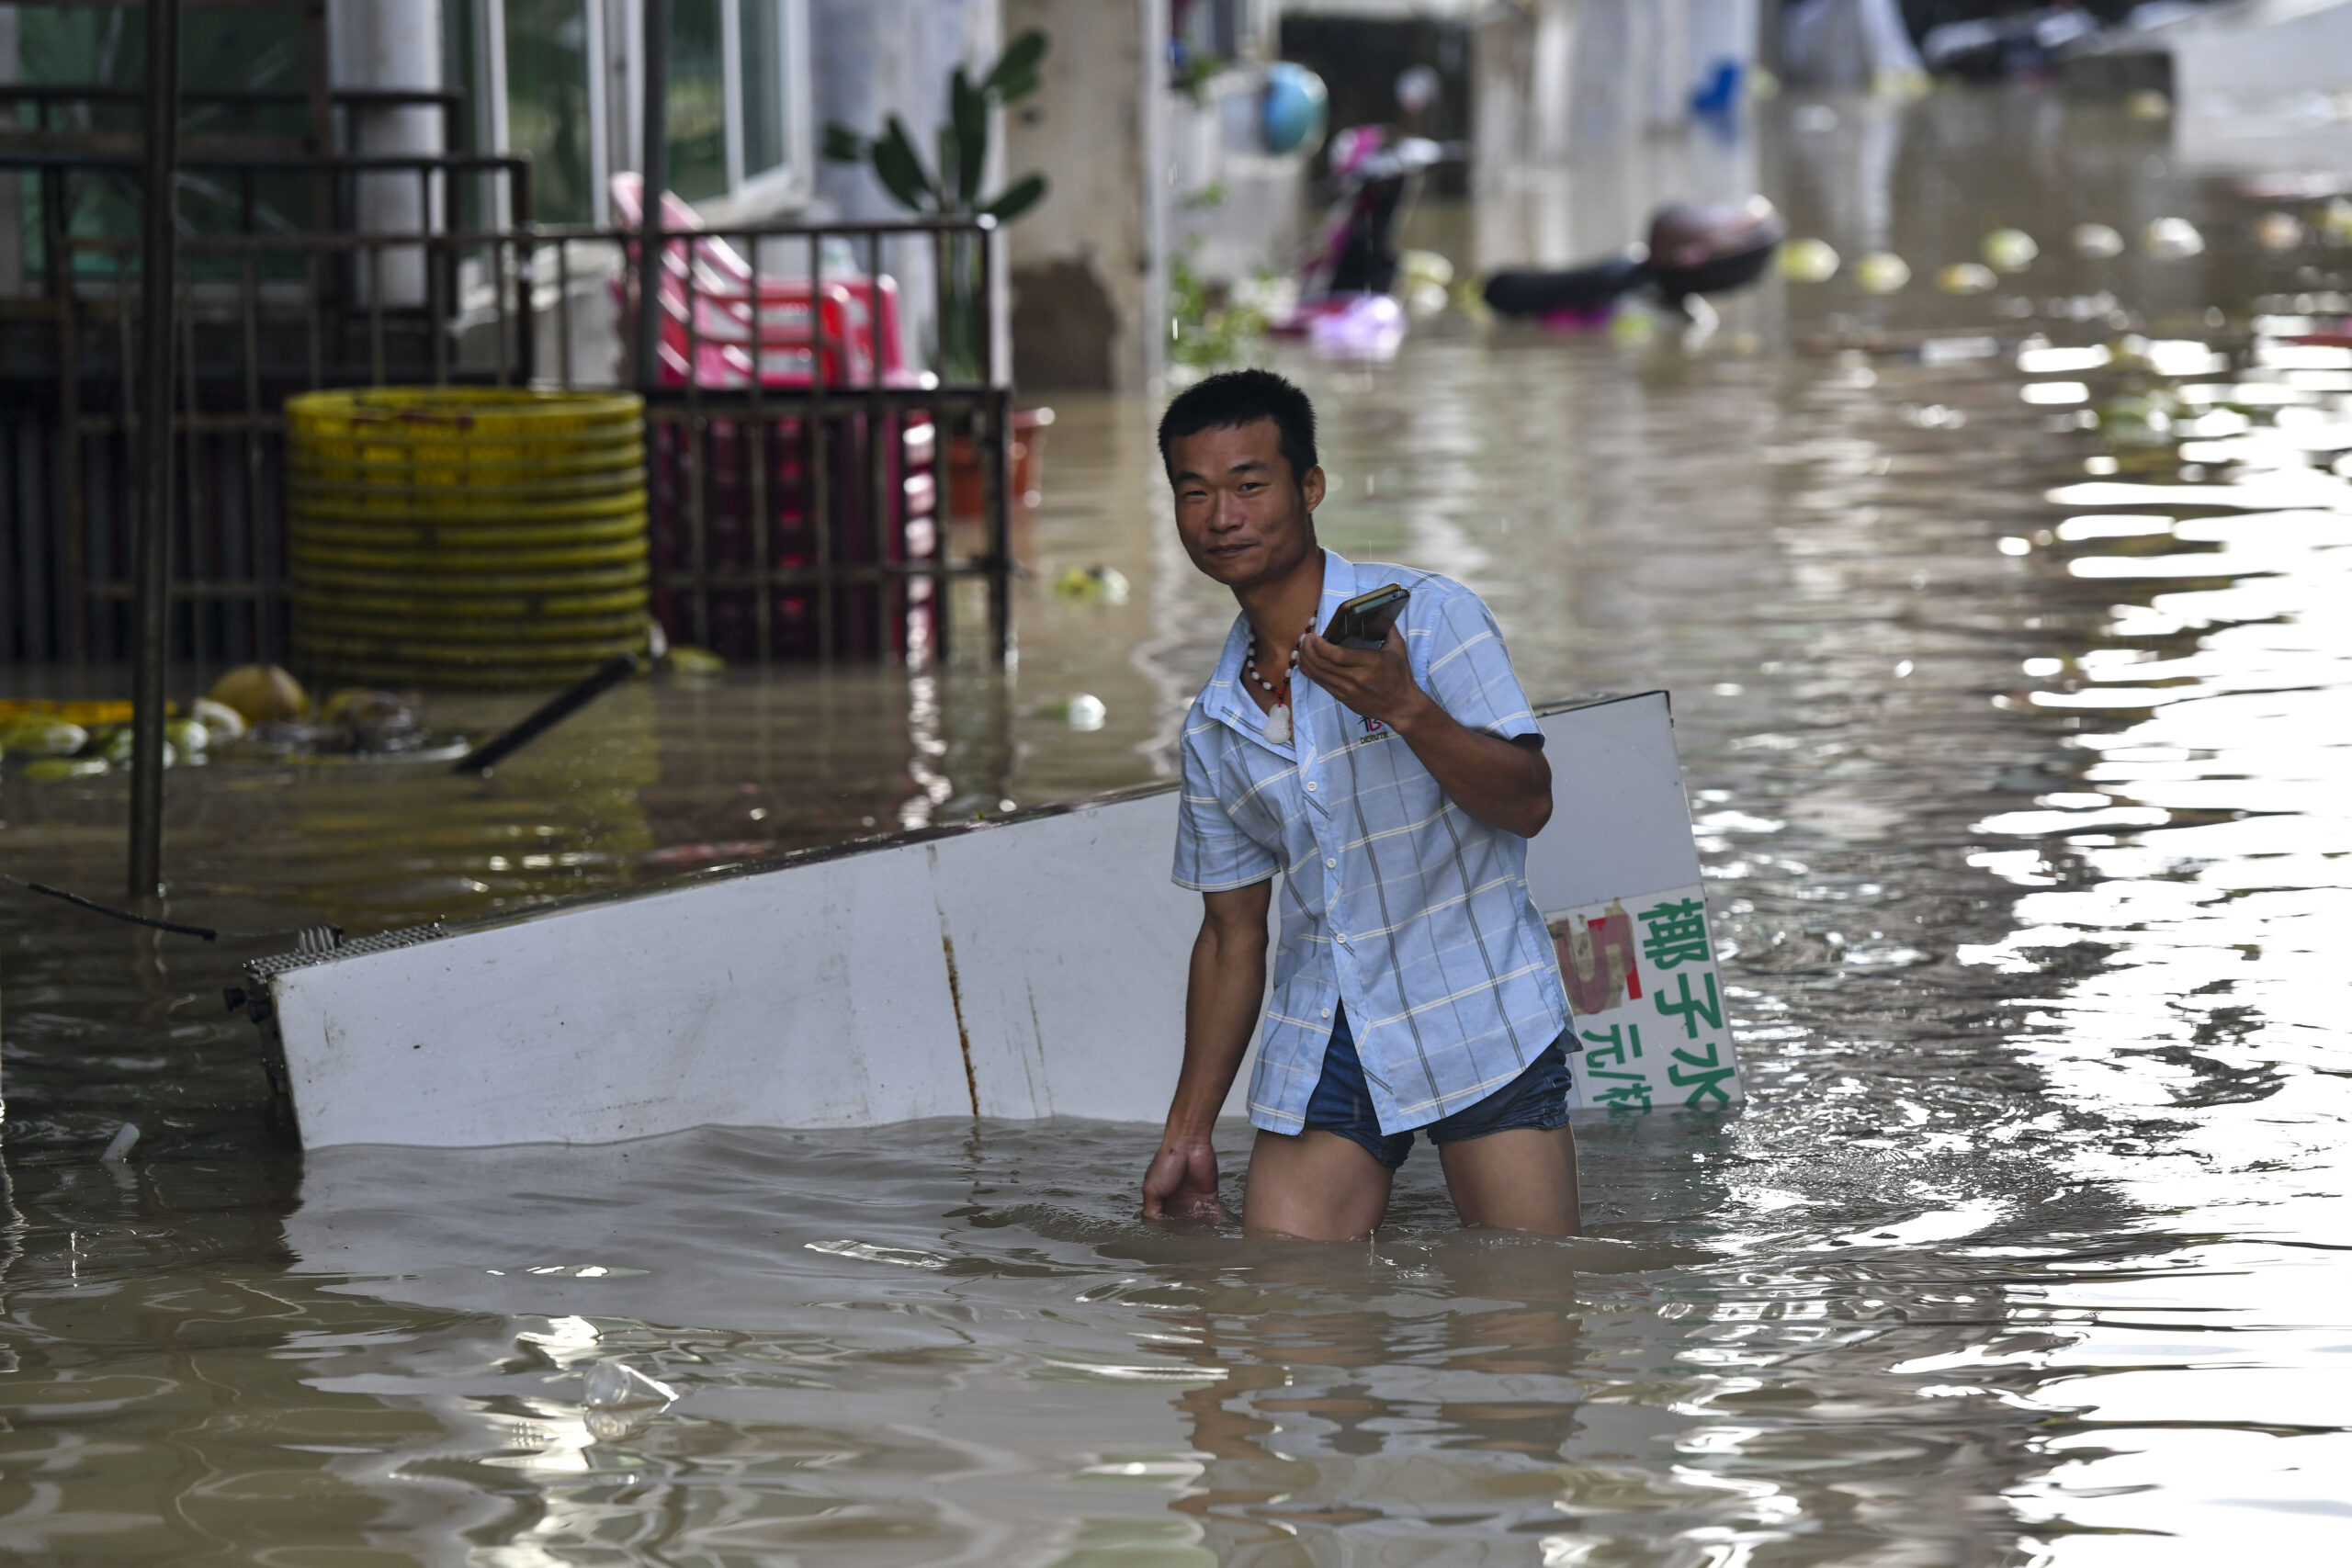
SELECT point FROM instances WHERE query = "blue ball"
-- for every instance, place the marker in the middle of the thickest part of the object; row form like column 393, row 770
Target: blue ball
column 1297, row 109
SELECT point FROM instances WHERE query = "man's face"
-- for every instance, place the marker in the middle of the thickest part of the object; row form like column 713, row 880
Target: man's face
column 1243, row 518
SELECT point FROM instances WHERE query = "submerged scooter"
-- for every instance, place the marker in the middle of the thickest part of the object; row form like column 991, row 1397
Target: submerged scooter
column 1347, row 287
column 1693, row 251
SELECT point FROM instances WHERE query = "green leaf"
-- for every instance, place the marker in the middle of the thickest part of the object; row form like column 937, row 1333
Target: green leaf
column 899, row 167
column 1015, row 73
column 1013, row 88
column 949, row 161
column 1024, row 195
column 844, row 145
column 968, row 111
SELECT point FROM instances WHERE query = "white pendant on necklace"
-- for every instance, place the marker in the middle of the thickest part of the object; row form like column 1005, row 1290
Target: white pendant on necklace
column 1278, row 724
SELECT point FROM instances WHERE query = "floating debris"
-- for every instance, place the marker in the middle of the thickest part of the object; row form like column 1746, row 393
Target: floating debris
column 1881, row 271
column 262, row 693
column 37, row 735
column 220, row 721
column 371, row 720
column 1085, row 711
column 1965, row 278
column 2008, row 250
column 1092, row 584
column 2097, row 241
column 618, row 1401
column 1632, row 328
column 687, row 659
column 613, row 1384
column 2138, row 420
column 118, row 1146
column 117, row 744
column 188, row 737
column 1426, row 279
column 2279, row 232
column 2172, row 238
column 56, row 770
column 1808, row 261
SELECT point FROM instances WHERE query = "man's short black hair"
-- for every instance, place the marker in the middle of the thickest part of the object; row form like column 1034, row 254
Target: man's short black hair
column 1235, row 398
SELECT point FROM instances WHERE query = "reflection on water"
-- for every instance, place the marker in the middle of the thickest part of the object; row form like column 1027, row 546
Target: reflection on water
column 2013, row 704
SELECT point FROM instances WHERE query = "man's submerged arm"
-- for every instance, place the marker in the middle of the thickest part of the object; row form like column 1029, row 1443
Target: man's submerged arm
column 1221, row 999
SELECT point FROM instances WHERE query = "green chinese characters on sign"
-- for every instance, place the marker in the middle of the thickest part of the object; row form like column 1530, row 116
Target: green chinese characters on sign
column 1609, row 1054
column 1675, row 933
column 1709, row 1071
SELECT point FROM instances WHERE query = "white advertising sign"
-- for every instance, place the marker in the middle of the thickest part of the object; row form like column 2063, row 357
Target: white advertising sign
column 1647, row 1005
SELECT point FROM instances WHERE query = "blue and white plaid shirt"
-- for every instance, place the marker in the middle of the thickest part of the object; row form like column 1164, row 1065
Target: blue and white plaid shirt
column 1394, row 900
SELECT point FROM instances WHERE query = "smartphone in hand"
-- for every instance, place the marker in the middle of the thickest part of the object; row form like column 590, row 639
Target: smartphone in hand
column 1364, row 621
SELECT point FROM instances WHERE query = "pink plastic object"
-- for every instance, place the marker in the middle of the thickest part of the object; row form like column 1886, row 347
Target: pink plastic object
column 1351, row 147
column 1366, row 326
column 704, row 274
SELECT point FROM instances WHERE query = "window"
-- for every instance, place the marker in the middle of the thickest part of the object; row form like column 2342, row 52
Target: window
column 738, row 104
column 551, row 110
column 573, row 93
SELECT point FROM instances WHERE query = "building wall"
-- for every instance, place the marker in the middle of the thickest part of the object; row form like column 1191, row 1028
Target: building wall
column 1088, row 264
column 870, row 59
column 1580, row 112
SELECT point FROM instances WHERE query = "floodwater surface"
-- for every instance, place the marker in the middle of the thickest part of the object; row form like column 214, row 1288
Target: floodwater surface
column 2011, row 675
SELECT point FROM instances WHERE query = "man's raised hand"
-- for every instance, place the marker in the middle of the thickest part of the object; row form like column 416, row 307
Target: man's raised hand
column 1371, row 682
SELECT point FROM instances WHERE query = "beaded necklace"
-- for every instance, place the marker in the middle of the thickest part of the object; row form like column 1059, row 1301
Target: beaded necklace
column 1278, row 718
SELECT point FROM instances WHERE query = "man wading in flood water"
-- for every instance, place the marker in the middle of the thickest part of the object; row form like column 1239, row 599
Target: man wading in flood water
column 1394, row 790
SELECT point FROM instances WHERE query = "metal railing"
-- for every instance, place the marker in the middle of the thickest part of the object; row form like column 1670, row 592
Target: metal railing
column 794, row 514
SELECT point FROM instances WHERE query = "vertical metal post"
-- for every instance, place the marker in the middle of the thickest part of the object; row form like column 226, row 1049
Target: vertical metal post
column 654, row 163
column 158, row 275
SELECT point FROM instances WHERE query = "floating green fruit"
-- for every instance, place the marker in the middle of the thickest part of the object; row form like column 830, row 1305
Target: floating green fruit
column 187, row 736
column 1808, row 261
column 2172, row 238
column 1881, row 271
column 691, row 660
column 1094, row 584
column 1965, row 278
column 2008, row 250
column 52, row 770
column 36, row 736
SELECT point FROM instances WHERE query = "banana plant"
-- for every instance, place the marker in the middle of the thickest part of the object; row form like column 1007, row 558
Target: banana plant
column 955, row 190
column 950, row 187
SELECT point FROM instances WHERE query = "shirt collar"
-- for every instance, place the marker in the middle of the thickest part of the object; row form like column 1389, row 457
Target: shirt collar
column 1224, row 698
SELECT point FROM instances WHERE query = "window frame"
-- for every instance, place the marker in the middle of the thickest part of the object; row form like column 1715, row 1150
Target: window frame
column 789, row 184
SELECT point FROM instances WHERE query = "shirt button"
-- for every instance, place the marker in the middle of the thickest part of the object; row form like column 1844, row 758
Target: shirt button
column 1327, row 1012
column 1310, row 786
column 1329, row 865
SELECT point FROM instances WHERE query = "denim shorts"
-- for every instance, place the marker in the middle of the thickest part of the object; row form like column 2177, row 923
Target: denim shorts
column 1538, row 1098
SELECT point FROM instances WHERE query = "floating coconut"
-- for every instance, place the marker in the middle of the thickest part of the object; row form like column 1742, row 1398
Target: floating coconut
column 1808, row 261
column 262, row 693
column 2008, row 250
column 1881, row 271
column 2097, row 241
